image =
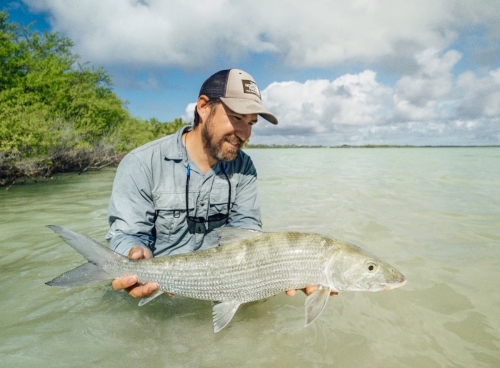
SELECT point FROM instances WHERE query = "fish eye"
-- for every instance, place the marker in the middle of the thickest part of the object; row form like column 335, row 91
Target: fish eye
column 371, row 266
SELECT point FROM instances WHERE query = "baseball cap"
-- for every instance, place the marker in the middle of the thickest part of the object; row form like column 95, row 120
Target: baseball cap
column 238, row 91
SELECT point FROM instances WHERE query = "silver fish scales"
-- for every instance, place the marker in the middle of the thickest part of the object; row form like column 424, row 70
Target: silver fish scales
column 248, row 266
column 245, row 272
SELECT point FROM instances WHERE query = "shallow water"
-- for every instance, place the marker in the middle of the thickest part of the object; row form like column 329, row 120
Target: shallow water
column 432, row 213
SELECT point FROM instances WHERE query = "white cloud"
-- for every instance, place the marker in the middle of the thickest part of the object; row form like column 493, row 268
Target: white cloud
column 422, row 96
column 317, row 33
column 430, row 106
column 189, row 112
column 319, row 106
column 495, row 74
column 480, row 96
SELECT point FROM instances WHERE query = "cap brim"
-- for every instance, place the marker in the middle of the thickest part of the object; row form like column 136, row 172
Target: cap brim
column 245, row 106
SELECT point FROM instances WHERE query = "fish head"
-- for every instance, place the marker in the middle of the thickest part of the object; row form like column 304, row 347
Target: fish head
column 354, row 269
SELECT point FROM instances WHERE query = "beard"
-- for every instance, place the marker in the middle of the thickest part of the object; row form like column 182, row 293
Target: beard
column 216, row 148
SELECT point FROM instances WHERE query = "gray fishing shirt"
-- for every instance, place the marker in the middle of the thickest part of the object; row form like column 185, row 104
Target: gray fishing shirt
column 148, row 201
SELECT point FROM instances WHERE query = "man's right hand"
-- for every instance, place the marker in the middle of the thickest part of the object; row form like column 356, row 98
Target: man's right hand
column 129, row 283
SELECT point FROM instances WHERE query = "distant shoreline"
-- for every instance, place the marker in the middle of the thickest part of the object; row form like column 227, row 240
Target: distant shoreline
column 14, row 169
column 362, row 146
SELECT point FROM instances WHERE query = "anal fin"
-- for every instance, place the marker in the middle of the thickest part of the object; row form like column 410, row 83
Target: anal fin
column 223, row 313
column 156, row 294
column 315, row 303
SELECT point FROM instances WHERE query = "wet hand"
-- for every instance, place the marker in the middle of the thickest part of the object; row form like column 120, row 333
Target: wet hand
column 308, row 291
column 129, row 283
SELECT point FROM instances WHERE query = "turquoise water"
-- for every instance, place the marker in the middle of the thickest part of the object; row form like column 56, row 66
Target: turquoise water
column 432, row 213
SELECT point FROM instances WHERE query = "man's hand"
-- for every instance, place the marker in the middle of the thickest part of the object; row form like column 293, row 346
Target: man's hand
column 308, row 291
column 129, row 283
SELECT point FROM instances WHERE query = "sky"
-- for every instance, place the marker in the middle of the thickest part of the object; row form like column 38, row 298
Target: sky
column 334, row 72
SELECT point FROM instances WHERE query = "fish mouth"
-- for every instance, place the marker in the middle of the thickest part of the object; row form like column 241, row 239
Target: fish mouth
column 393, row 285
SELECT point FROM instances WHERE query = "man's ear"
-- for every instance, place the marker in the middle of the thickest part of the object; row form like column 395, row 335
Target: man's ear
column 203, row 108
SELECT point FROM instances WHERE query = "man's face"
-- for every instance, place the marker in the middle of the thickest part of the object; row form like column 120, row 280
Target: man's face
column 225, row 132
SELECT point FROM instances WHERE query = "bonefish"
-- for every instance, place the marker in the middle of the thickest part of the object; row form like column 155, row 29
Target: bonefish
column 246, row 266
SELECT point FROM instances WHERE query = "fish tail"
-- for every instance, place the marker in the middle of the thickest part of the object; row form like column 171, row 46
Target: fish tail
column 96, row 254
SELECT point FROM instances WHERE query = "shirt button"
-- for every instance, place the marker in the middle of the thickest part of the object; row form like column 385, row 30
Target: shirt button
column 202, row 203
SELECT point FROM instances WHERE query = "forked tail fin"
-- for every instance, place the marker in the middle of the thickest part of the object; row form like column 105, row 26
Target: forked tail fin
column 97, row 254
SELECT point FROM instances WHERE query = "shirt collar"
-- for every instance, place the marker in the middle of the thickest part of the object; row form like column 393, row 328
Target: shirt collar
column 177, row 151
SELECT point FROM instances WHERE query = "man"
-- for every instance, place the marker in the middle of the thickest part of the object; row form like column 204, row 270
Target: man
column 169, row 194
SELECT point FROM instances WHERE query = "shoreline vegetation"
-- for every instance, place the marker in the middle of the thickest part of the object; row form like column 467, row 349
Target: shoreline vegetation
column 58, row 114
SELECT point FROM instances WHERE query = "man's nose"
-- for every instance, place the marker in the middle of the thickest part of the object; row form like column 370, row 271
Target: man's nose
column 243, row 131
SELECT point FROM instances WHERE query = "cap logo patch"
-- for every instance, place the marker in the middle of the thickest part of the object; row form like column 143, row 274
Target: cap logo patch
column 250, row 86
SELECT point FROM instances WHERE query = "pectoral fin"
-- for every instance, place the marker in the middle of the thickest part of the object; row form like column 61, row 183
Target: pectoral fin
column 156, row 294
column 315, row 303
column 223, row 313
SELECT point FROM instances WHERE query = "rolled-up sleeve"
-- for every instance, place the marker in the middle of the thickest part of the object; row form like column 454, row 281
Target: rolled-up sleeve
column 131, row 213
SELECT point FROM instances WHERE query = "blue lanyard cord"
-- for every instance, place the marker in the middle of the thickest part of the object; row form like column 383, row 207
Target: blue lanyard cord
column 188, row 170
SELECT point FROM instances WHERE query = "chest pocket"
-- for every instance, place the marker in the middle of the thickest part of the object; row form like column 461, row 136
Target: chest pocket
column 219, row 198
column 170, row 211
column 219, row 194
